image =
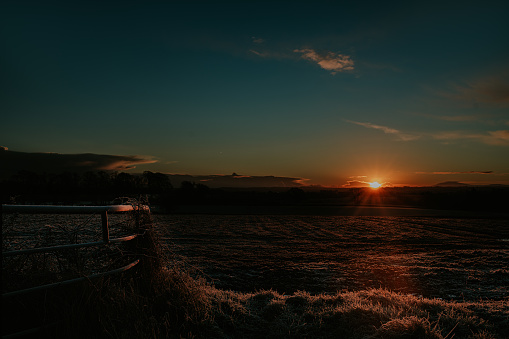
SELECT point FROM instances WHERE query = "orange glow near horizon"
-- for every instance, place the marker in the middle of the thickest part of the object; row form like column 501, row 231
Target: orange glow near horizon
column 375, row 185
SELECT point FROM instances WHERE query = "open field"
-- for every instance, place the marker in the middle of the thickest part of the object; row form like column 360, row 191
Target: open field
column 434, row 257
column 277, row 276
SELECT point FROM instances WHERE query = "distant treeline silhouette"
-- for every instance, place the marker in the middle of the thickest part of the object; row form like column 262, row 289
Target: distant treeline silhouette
column 96, row 187
column 103, row 187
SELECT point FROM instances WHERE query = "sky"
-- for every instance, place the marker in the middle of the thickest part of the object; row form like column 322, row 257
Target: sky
column 331, row 93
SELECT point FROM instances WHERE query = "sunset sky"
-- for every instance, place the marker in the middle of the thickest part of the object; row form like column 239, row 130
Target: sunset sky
column 337, row 93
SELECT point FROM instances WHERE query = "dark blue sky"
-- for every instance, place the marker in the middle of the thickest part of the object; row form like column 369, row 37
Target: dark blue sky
column 334, row 92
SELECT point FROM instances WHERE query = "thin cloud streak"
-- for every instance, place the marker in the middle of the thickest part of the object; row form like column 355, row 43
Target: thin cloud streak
column 492, row 90
column 235, row 180
column 465, row 172
column 258, row 40
column 270, row 54
column 361, row 183
column 260, row 54
column 388, row 130
column 13, row 161
column 355, row 183
column 496, row 138
column 457, row 118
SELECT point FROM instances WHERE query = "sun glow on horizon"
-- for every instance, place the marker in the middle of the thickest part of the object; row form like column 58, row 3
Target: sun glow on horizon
column 375, row 185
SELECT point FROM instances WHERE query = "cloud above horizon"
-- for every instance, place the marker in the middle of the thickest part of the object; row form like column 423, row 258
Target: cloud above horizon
column 235, row 180
column 258, row 40
column 464, row 172
column 496, row 138
column 456, row 118
column 329, row 61
column 493, row 90
column 387, row 130
column 360, row 181
column 13, row 162
column 355, row 183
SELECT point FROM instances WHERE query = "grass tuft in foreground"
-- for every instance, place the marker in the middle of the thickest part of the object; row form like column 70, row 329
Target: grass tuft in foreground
column 180, row 306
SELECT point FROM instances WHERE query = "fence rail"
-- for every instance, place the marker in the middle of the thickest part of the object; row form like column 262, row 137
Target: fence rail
column 50, row 209
column 72, row 281
column 43, row 209
column 66, row 247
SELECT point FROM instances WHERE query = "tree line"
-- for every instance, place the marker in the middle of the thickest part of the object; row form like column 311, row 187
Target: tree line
column 98, row 188
column 27, row 186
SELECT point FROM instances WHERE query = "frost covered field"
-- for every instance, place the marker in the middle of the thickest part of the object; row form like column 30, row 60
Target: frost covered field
column 274, row 275
column 449, row 258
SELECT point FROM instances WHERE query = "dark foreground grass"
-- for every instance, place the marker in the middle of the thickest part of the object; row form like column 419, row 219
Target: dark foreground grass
column 179, row 306
column 160, row 299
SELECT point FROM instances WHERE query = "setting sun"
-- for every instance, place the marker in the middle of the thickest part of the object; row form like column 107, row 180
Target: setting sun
column 375, row 184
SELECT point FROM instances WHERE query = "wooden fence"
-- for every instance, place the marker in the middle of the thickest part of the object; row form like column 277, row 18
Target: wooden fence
column 105, row 241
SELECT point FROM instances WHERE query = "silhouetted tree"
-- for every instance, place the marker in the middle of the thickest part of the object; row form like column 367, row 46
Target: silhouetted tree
column 201, row 188
column 66, row 183
column 295, row 194
column 125, row 183
column 28, row 182
column 187, row 185
column 90, row 182
column 156, row 182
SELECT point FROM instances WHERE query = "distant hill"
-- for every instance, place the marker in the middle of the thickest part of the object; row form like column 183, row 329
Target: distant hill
column 452, row 184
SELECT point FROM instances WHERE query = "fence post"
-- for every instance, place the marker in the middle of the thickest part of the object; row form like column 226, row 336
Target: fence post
column 106, row 231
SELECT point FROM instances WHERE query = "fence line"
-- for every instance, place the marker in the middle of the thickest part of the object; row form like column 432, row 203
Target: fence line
column 54, row 209
column 49, row 209
column 65, row 247
column 44, row 209
column 71, row 281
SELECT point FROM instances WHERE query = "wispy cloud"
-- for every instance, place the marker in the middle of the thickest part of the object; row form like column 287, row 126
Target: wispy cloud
column 122, row 163
column 499, row 138
column 362, row 183
column 489, row 90
column 257, row 40
column 465, row 172
column 13, row 161
column 457, row 118
column 492, row 90
column 268, row 53
column 235, row 180
column 356, row 183
column 388, row 130
column 263, row 49
column 260, row 54
column 329, row 61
